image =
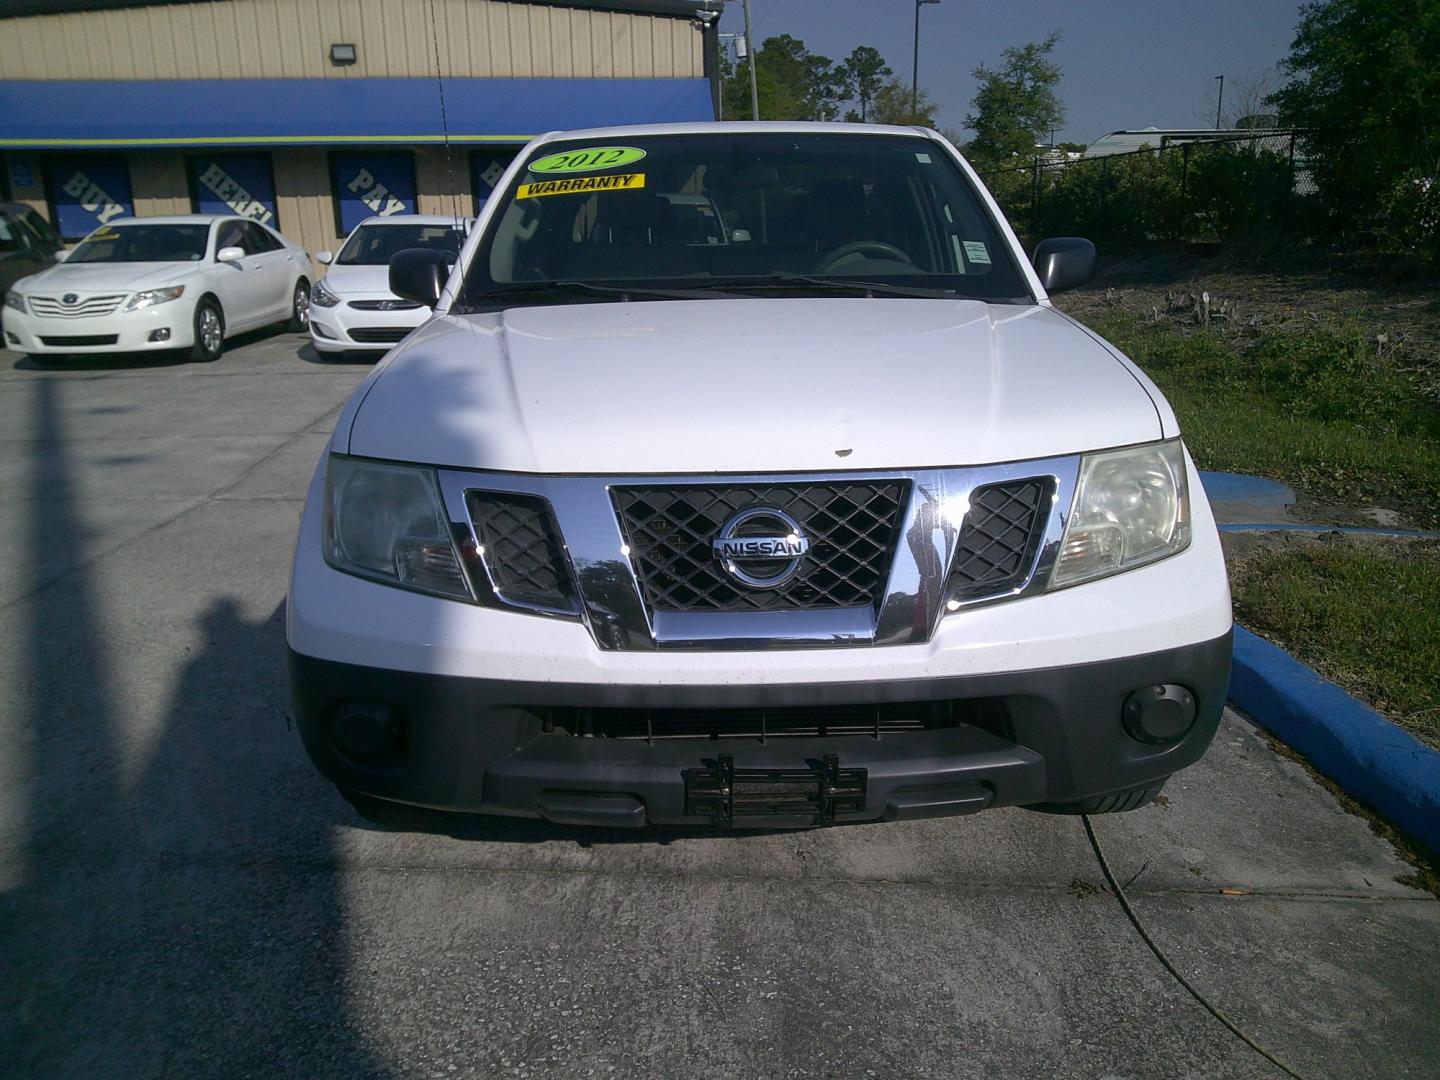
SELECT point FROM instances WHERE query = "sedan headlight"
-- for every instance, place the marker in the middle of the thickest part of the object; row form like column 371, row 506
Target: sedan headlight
column 1131, row 507
column 320, row 296
column 386, row 522
column 151, row 297
column 16, row 301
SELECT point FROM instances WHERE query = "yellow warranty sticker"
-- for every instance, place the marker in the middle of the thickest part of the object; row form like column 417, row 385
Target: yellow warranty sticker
column 578, row 184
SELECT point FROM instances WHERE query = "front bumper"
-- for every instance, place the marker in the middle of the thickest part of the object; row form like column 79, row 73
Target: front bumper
column 121, row 332
column 482, row 745
column 343, row 328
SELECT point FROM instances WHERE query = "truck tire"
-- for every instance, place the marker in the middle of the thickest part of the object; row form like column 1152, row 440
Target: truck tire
column 1117, row 803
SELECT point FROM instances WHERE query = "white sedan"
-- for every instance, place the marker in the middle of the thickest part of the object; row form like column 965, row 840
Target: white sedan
column 354, row 308
column 150, row 284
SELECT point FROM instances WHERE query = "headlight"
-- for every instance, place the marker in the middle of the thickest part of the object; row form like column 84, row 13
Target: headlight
column 151, row 297
column 320, row 296
column 1131, row 508
column 386, row 522
column 16, row 301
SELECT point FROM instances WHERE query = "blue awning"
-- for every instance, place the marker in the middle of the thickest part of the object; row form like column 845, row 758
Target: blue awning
column 329, row 112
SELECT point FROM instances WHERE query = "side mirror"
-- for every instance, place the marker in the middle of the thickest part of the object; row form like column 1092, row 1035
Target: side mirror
column 1064, row 262
column 230, row 255
column 419, row 274
column 61, row 255
column 324, row 258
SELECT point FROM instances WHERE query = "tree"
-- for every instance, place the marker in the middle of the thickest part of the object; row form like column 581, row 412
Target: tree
column 862, row 74
column 1363, row 82
column 1016, row 105
column 893, row 105
column 792, row 83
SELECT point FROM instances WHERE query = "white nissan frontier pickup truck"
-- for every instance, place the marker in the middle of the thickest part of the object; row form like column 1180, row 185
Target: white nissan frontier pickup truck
column 745, row 476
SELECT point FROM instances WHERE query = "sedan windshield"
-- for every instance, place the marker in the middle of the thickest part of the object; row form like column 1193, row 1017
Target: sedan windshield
column 143, row 243
column 375, row 245
column 741, row 214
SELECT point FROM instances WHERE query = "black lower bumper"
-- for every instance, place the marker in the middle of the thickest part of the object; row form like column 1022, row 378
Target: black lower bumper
column 1056, row 735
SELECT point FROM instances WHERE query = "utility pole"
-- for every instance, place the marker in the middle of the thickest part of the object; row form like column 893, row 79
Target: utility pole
column 1220, row 97
column 915, row 65
column 750, row 47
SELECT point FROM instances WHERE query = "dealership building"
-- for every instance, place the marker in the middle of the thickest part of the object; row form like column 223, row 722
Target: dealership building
column 310, row 115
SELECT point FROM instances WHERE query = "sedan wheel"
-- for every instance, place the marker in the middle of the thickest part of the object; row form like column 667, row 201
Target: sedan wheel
column 209, row 332
column 300, row 307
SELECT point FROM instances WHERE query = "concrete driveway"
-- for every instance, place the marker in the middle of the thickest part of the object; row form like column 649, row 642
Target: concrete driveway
column 181, row 896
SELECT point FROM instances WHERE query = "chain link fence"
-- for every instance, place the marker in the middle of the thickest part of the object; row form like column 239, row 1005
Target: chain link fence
column 1249, row 187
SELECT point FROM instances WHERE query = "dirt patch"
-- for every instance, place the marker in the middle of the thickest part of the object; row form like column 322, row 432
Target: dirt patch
column 1396, row 307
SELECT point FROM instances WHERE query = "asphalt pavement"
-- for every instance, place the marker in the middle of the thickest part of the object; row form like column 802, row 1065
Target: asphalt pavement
column 180, row 895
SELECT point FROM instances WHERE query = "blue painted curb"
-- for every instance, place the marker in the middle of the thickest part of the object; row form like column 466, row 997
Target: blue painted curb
column 1372, row 759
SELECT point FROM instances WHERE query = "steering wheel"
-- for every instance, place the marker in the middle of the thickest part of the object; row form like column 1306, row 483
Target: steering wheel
column 875, row 247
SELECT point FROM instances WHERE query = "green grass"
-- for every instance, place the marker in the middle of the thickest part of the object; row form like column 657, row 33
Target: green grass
column 1365, row 613
column 1315, row 409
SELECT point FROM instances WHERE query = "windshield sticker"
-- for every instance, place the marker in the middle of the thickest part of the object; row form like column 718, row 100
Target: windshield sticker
column 624, row 182
column 977, row 252
column 591, row 159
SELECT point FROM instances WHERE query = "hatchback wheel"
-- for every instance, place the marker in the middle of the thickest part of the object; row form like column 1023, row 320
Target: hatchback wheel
column 209, row 332
column 300, row 307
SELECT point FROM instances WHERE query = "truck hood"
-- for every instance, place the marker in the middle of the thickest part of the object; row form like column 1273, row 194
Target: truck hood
column 107, row 277
column 749, row 385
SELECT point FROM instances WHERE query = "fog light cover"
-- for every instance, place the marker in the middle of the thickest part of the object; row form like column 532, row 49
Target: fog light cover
column 163, row 334
column 1159, row 714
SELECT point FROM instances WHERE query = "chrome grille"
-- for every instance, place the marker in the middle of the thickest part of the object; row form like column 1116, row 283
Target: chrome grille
column 84, row 308
column 851, row 526
column 999, row 539
column 521, row 549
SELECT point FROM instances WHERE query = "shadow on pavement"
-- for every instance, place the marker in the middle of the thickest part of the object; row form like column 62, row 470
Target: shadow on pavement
column 180, row 911
column 353, row 358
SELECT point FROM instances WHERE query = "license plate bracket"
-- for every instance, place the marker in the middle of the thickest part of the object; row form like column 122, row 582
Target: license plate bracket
column 818, row 791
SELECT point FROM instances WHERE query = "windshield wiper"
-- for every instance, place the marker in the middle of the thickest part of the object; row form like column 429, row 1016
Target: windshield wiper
column 553, row 290
column 784, row 279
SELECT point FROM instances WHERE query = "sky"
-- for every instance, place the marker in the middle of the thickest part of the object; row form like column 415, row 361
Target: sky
column 1126, row 64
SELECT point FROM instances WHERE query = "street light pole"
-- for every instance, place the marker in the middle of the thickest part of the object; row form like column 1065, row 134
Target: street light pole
column 750, row 63
column 1220, row 97
column 915, row 65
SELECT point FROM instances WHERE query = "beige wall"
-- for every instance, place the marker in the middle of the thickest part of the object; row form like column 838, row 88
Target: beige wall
column 158, row 184
column 291, row 39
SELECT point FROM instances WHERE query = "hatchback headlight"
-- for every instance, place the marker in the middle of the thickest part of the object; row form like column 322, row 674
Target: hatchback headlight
column 386, row 522
column 15, row 300
column 320, row 296
column 1131, row 507
column 151, row 297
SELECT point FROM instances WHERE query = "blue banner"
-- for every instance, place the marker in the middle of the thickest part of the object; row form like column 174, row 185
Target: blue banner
column 89, row 191
column 370, row 185
column 240, row 184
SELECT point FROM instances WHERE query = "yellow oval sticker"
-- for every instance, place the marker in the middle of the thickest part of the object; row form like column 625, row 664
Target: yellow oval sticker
column 591, row 159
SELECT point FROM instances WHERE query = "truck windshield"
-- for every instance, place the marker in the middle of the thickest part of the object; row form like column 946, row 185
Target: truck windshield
column 747, row 214
column 373, row 245
column 143, row 243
